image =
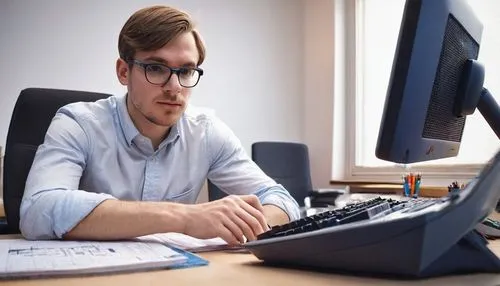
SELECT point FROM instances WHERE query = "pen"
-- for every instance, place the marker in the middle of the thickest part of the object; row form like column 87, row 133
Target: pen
column 417, row 185
column 412, row 184
column 406, row 186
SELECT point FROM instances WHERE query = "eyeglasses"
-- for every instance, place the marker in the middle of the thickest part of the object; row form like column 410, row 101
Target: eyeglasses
column 159, row 74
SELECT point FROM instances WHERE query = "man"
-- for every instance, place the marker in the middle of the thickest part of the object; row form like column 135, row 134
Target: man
column 134, row 165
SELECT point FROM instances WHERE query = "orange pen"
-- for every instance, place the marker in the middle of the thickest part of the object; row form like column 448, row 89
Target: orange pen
column 412, row 176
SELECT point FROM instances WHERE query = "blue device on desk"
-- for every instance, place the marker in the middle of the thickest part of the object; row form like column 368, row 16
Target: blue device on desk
column 435, row 83
column 417, row 238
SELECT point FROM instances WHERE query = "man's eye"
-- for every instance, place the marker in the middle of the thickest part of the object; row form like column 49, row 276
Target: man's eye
column 157, row 68
column 186, row 72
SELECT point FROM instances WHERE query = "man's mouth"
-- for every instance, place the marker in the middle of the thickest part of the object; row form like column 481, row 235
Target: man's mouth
column 173, row 104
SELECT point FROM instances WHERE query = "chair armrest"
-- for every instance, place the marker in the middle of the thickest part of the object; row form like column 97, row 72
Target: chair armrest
column 328, row 192
column 4, row 228
column 324, row 197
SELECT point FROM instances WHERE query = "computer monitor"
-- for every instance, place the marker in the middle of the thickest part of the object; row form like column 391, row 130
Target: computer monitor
column 435, row 83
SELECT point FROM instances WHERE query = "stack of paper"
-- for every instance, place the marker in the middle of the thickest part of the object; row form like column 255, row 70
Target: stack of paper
column 24, row 258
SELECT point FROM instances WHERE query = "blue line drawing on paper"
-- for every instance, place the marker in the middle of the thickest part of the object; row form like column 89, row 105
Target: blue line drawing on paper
column 84, row 250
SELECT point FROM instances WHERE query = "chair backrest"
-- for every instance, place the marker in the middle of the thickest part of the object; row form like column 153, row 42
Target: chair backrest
column 285, row 162
column 33, row 112
column 288, row 164
column 214, row 193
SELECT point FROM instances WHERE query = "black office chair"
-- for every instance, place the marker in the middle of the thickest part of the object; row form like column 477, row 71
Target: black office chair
column 288, row 164
column 285, row 162
column 33, row 112
column 214, row 193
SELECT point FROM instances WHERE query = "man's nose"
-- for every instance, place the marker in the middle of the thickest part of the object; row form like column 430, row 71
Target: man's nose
column 173, row 85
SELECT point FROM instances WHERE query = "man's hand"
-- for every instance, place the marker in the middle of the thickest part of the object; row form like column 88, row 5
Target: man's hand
column 229, row 218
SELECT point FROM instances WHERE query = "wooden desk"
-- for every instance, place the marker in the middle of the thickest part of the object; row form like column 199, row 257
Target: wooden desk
column 239, row 269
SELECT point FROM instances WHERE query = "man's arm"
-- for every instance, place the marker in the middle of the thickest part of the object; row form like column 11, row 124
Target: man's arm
column 233, row 171
column 52, row 204
column 114, row 219
column 231, row 218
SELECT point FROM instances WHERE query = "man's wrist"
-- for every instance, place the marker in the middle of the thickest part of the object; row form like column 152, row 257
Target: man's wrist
column 275, row 215
column 172, row 217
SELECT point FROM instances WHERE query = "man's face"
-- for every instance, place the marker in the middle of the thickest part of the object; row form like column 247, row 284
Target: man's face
column 156, row 105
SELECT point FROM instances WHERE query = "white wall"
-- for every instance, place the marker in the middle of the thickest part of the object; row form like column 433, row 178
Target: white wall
column 253, row 76
column 269, row 67
column 318, row 92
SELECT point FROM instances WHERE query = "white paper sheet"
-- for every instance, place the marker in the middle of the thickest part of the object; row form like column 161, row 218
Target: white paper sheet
column 25, row 258
column 189, row 243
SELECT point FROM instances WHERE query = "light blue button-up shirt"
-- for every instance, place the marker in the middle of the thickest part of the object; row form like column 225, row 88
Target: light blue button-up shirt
column 93, row 152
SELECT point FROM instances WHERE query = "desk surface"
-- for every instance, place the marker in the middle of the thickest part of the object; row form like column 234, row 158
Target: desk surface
column 242, row 269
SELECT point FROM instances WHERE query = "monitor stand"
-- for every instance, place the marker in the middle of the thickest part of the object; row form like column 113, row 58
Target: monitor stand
column 488, row 107
column 471, row 251
column 469, row 255
column 472, row 95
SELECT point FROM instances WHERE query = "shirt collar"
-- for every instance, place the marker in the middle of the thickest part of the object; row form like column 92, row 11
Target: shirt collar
column 172, row 135
column 128, row 127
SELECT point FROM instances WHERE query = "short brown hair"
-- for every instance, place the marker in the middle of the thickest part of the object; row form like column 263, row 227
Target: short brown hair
column 151, row 28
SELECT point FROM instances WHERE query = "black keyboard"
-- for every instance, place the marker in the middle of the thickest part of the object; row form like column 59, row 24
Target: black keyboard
column 348, row 214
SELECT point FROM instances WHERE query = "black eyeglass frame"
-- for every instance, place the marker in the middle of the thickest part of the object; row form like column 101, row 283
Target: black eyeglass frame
column 176, row 71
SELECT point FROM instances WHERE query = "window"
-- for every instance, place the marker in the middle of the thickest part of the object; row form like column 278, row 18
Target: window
column 372, row 29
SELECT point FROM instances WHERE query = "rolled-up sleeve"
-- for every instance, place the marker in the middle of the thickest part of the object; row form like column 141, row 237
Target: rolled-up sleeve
column 52, row 204
column 280, row 197
column 233, row 171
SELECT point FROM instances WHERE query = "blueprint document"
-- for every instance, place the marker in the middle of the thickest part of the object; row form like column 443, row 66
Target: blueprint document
column 25, row 258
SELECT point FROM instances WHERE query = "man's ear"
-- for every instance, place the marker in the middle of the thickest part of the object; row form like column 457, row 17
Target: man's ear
column 122, row 71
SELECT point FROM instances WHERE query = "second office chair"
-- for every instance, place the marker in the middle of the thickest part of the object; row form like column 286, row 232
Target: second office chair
column 285, row 162
column 288, row 164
